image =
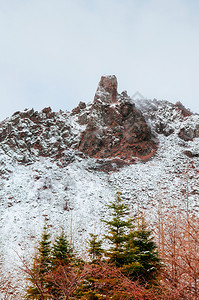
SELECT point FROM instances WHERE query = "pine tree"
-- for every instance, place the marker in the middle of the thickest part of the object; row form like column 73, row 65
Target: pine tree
column 61, row 268
column 95, row 248
column 61, row 250
column 38, row 289
column 44, row 251
column 142, row 258
column 132, row 250
column 118, row 231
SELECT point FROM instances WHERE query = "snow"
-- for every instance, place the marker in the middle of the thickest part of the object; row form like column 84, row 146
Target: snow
column 75, row 196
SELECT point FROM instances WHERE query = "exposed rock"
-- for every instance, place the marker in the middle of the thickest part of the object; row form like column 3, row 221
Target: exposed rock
column 113, row 129
column 189, row 133
column 78, row 109
column 116, row 130
column 186, row 112
column 29, row 134
column 107, row 166
column 47, row 110
column 162, row 115
column 163, row 128
column 191, row 154
column 107, row 90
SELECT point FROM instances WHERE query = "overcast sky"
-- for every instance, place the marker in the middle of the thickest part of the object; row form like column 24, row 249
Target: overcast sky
column 53, row 52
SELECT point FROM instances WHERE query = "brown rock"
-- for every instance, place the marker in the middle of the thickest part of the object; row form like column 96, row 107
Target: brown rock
column 189, row 133
column 185, row 112
column 46, row 110
column 116, row 131
column 107, row 89
column 77, row 109
column 191, row 154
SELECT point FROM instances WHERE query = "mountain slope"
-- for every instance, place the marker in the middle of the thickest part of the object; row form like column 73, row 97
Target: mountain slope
column 65, row 167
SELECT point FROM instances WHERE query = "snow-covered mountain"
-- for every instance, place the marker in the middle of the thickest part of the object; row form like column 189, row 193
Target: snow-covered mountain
column 66, row 167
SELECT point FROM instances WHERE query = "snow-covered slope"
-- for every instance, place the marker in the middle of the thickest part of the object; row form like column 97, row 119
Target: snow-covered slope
column 65, row 167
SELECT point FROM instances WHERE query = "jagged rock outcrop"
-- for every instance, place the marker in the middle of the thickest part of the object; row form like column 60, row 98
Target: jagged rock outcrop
column 116, row 129
column 185, row 112
column 107, row 90
column 29, row 134
column 113, row 130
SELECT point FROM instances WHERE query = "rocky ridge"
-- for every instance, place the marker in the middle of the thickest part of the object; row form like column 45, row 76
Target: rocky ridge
column 113, row 129
column 110, row 128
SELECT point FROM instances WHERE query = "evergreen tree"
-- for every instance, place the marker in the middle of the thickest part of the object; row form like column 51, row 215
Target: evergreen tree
column 61, row 250
column 118, row 231
column 61, row 268
column 142, row 258
column 95, row 248
column 44, row 251
column 38, row 288
column 132, row 250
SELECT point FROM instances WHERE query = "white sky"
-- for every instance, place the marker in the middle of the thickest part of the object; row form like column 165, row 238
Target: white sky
column 53, row 52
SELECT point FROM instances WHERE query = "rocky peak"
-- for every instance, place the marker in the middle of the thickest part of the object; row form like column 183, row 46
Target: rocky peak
column 107, row 89
column 116, row 130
